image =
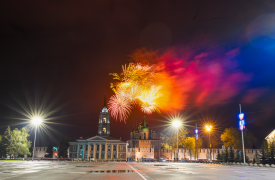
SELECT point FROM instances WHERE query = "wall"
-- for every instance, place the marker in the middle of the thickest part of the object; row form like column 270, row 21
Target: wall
column 183, row 153
column 139, row 153
column 203, row 153
column 39, row 152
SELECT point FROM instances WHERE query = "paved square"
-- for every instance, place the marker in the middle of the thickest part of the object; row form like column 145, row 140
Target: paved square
column 103, row 170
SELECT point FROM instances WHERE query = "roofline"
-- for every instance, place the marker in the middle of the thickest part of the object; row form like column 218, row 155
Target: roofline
column 270, row 134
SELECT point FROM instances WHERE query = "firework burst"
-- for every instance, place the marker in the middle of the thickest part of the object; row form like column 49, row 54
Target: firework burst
column 137, row 85
column 119, row 106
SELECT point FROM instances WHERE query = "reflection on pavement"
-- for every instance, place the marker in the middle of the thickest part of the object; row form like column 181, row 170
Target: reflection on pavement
column 113, row 171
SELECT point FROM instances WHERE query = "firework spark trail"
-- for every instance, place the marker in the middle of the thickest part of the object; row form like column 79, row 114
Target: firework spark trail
column 119, row 107
column 137, row 86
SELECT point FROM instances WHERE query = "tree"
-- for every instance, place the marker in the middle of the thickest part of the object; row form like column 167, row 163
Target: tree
column 49, row 151
column 2, row 147
column 199, row 145
column 257, row 156
column 222, row 155
column 20, row 144
column 63, row 148
column 263, row 154
column 232, row 137
column 190, row 145
column 231, row 154
column 214, row 145
column 219, row 157
column 266, row 148
column 169, row 138
column 238, row 157
column 272, row 151
column 7, row 140
column 225, row 155
column 16, row 142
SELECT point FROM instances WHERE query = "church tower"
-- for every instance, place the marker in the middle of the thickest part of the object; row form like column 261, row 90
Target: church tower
column 104, row 121
column 144, row 131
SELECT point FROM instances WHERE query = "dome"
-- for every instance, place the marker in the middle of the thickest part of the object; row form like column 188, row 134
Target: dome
column 104, row 110
column 145, row 129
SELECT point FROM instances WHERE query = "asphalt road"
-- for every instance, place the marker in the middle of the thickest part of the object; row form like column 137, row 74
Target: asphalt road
column 136, row 171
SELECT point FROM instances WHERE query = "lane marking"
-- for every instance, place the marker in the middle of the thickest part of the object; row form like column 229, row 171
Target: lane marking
column 137, row 172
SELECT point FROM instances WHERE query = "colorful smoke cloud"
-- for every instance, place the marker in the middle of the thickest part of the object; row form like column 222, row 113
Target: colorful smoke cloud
column 209, row 77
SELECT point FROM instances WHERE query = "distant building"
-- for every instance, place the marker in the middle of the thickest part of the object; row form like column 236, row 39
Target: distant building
column 271, row 137
column 143, row 142
column 102, row 146
column 40, row 152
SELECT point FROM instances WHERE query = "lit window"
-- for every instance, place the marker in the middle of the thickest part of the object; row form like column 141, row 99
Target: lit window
column 104, row 120
column 104, row 130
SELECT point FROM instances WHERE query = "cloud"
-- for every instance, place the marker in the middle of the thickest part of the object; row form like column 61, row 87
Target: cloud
column 251, row 95
column 200, row 77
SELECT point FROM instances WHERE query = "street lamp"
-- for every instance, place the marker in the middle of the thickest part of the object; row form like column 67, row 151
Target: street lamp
column 197, row 138
column 242, row 127
column 208, row 128
column 36, row 121
column 177, row 123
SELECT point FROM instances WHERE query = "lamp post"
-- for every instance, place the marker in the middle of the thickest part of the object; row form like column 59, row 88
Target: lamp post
column 208, row 128
column 197, row 138
column 177, row 123
column 242, row 127
column 36, row 121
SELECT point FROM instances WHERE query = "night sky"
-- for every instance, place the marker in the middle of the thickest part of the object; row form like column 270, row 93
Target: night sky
column 66, row 50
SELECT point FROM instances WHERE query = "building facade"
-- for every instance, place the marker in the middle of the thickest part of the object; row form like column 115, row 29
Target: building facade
column 102, row 146
column 271, row 137
column 204, row 154
column 143, row 143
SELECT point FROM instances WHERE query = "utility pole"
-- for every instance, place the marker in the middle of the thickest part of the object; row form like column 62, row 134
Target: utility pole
column 177, row 143
column 210, row 146
column 197, row 138
column 34, row 142
column 242, row 127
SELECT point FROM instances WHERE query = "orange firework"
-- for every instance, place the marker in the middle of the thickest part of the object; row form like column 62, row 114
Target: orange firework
column 137, row 86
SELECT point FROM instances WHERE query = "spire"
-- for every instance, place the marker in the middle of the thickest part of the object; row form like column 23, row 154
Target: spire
column 105, row 100
column 144, row 122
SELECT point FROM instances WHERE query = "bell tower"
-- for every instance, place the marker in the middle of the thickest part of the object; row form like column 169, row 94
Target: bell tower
column 104, row 121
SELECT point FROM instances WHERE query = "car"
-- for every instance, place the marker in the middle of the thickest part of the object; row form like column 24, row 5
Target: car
column 163, row 160
column 149, row 160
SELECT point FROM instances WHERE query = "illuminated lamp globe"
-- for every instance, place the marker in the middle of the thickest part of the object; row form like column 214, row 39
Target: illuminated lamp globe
column 176, row 123
column 36, row 120
column 208, row 128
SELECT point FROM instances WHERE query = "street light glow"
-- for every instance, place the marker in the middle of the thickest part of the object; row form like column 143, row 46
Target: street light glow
column 36, row 120
column 176, row 123
column 208, row 128
column 241, row 116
